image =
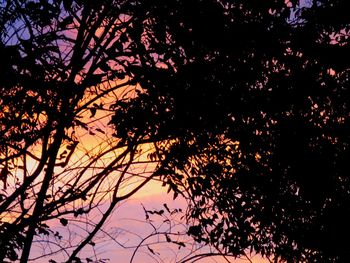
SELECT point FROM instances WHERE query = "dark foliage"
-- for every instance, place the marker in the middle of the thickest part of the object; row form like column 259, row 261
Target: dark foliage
column 249, row 112
column 246, row 102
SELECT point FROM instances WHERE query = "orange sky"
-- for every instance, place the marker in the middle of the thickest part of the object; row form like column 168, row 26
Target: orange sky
column 129, row 217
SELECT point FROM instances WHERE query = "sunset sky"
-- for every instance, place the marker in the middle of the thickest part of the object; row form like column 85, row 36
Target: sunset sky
column 139, row 131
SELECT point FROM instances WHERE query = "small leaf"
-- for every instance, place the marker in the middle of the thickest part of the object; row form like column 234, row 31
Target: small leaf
column 64, row 221
column 151, row 250
column 93, row 112
column 166, row 207
column 181, row 244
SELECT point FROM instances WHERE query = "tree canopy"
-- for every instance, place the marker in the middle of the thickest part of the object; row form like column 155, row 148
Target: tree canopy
column 250, row 119
column 244, row 105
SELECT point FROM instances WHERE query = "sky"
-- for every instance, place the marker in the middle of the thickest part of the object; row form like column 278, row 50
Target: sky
column 133, row 210
column 127, row 227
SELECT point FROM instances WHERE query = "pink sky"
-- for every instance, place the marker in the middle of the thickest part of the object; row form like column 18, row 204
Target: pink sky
column 128, row 226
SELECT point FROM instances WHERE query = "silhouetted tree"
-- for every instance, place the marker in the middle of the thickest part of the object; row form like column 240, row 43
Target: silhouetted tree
column 247, row 103
column 244, row 105
column 63, row 64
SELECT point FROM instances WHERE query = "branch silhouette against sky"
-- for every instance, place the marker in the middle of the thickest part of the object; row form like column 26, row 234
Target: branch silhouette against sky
column 239, row 107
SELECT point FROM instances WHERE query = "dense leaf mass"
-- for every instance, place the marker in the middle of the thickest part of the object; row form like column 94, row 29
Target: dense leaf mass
column 250, row 118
